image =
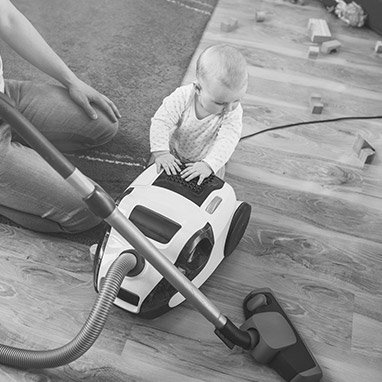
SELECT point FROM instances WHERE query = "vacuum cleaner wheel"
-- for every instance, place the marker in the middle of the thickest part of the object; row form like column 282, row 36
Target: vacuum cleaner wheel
column 237, row 228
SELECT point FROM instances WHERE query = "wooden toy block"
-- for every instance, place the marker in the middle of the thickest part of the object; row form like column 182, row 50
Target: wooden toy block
column 260, row 16
column 316, row 97
column 361, row 143
column 364, row 150
column 318, row 31
column 229, row 26
column 378, row 47
column 316, row 103
column 366, row 156
column 331, row 46
column 317, row 107
column 313, row 51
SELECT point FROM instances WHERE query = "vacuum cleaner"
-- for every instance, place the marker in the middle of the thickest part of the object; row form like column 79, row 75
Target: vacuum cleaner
column 267, row 332
column 194, row 226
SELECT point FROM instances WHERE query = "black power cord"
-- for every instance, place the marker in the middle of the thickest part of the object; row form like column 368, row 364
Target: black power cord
column 308, row 123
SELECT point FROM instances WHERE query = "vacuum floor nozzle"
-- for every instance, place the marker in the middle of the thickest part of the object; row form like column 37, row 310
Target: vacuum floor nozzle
column 280, row 345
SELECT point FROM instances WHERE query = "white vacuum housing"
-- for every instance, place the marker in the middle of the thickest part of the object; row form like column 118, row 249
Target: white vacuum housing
column 194, row 226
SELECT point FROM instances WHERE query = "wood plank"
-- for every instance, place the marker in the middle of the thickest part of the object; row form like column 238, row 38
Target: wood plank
column 342, row 215
column 367, row 336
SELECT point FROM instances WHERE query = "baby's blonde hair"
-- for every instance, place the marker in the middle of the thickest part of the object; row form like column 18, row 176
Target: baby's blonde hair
column 223, row 63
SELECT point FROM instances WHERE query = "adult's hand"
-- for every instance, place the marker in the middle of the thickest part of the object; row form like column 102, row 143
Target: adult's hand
column 84, row 95
column 17, row 31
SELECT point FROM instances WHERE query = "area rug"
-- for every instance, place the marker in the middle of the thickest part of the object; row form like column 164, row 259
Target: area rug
column 134, row 51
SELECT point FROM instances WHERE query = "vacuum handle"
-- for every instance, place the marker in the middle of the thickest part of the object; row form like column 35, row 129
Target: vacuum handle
column 34, row 138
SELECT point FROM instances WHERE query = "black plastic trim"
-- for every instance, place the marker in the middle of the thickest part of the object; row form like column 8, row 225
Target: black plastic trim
column 237, row 228
column 154, row 225
column 101, row 246
column 190, row 190
column 235, row 336
column 100, row 202
column 127, row 296
column 164, row 291
column 99, row 255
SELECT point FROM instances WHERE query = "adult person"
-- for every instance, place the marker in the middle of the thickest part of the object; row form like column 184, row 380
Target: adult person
column 73, row 116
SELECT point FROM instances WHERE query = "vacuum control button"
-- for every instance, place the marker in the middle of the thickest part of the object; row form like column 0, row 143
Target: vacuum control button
column 213, row 204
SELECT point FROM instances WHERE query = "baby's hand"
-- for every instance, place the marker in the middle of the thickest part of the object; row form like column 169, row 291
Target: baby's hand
column 197, row 169
column 168, row 162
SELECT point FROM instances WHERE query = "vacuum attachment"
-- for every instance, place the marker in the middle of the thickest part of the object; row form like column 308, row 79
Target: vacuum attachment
column 279, row 344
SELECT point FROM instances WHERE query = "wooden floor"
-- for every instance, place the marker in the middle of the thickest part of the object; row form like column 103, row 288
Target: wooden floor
column 314, row 236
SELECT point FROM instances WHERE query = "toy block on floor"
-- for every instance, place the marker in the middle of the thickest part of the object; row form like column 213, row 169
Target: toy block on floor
column 318, row 31
column 313, row 51
column 364, row 150
column 330, row 46
column 316, row 104
column 260, row 16
column 378, row 47
column 229, row 26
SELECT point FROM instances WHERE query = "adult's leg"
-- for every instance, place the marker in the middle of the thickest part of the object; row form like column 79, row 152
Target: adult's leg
column 31, row 193
column 35, row 196
column 50, row 109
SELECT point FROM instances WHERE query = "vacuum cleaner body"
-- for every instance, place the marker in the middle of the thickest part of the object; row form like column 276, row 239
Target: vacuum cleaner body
column 194, row 226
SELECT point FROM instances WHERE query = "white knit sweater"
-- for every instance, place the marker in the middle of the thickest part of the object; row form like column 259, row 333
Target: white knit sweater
column 176, row 128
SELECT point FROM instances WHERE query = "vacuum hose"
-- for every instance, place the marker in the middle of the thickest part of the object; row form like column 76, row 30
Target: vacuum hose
column 31, row 359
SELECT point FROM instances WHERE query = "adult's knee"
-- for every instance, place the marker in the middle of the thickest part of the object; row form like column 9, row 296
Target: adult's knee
column 104, row 129
column 73, row 227
column 77, row 221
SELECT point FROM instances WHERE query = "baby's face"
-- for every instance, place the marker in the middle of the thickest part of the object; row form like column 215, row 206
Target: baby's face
column 215, row 97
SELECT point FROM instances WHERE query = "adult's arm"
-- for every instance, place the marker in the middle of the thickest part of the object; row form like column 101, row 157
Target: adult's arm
column 17, row 31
